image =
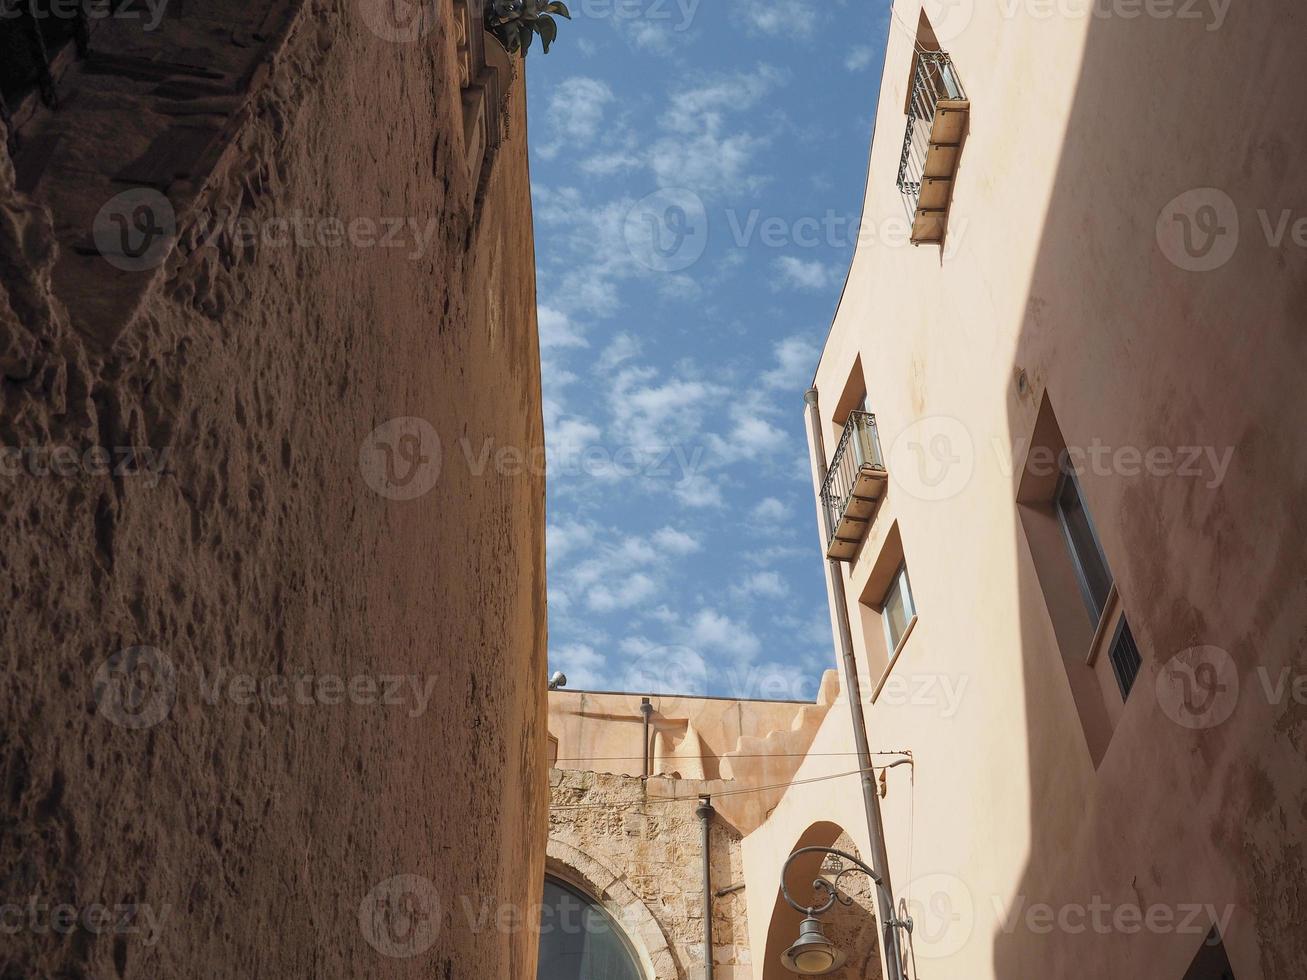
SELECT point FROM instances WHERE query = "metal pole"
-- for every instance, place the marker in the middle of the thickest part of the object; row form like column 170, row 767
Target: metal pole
column 646, row 709
column 705, row 812
column 853, row 690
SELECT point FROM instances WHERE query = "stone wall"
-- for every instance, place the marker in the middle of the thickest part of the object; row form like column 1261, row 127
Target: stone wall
column 252, row 675
column 629, row 845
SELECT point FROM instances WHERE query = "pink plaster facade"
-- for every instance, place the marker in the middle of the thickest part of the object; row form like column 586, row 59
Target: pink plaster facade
column 1046, row 826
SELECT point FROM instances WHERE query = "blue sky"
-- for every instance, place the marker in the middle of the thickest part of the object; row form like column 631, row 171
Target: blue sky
column 697, row 173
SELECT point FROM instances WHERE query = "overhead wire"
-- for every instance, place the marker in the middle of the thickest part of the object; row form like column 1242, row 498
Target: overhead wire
column 694, row 798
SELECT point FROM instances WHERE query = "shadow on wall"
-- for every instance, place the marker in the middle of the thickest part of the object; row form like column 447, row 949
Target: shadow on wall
column 1188, row 797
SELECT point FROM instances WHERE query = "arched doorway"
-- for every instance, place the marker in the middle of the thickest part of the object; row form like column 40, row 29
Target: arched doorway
column 581, row 941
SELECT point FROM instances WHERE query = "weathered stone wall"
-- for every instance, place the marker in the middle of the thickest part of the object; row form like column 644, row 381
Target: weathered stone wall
column 628, row 844
column 341, row 679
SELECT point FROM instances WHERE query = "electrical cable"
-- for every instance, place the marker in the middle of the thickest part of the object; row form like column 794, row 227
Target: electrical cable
column 721, row 793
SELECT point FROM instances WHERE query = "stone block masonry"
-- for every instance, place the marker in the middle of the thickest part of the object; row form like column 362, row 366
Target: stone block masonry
column 624, row 843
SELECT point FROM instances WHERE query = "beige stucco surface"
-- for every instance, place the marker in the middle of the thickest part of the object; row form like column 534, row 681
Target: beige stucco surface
column 1083, row 131
column 731, row 743
column 256, row 828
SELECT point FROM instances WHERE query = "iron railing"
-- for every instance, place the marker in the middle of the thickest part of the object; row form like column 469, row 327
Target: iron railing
column 934, row 79
column 859, row 446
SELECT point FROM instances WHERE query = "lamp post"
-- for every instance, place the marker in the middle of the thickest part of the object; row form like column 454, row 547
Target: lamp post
column 812, row 954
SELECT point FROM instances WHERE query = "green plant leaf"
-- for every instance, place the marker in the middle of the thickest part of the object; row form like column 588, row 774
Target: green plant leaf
column 547, row 28
column 526, row 35
column 560, row 8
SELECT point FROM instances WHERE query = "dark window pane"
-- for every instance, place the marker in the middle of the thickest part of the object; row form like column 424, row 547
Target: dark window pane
column 1091, row 567
column 1125, row 658
column 579, row 941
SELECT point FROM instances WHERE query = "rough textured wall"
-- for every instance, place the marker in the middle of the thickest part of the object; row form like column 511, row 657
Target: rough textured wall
column 630, row 846
column 340, row 686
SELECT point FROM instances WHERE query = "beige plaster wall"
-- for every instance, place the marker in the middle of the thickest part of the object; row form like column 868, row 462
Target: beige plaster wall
column 740, row 744
column 1083, row 131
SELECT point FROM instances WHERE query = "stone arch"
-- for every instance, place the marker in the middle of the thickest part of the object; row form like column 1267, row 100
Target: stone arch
column 588, row 873
column 853, row 929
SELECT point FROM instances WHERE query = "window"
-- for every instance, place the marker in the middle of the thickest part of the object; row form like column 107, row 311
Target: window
column 1086, row 611
column 1095, row 579
column 579, row 940
column 1094, row 576
column 897, row 609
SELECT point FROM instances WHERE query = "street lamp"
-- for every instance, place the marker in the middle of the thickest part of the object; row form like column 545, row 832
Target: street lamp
column 812, row 954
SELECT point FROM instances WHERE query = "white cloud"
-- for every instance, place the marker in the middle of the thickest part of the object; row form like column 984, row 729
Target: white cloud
column 610, row 162
column 712, row 630
column 583, row 665
column 696, row 490
column 675, row 542
column 796, row 18
column 769, row 511
column 859, row 58
column 700, row 152
column 558, row 330
column 575, row 114
column 767, row 584
column 623, row 347
column 796, row 359
column 567, row 538
column 568, row 438
column 633, row 591
column 803, row 273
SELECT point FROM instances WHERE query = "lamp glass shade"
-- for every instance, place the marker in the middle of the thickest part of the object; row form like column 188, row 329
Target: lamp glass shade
column 812, row 954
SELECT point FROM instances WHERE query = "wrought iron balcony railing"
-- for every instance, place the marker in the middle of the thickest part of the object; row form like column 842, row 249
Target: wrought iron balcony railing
column 937, row 117
column 854, row 484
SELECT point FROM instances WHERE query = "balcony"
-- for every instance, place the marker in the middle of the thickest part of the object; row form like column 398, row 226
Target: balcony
column 938, row 109
column 854, row 485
